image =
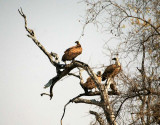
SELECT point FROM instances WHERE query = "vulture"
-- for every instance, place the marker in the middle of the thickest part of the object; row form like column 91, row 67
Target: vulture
column 112, row 70
column 89, row 84
column 72, row 52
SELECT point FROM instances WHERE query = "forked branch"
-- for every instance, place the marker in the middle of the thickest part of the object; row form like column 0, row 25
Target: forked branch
column 76, row 99
column 33, row 37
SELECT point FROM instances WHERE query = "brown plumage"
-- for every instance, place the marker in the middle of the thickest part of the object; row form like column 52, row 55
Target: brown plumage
column 72, row 52
column 89, row 84
column 112, row 70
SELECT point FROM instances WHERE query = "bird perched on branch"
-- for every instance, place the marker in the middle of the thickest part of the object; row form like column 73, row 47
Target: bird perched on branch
column 72, row 52
column 112, row 70
column 89, row 84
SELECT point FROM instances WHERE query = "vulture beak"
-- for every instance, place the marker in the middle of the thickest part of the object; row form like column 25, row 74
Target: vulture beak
column 99, row 73
column 114, row 59
column 77, row 42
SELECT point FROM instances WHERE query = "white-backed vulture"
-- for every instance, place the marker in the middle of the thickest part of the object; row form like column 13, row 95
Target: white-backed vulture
column 72, row 52
column 89, row 84
column 112, row 70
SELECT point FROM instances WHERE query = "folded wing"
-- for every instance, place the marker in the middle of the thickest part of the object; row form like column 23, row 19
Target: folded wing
column 72, row 52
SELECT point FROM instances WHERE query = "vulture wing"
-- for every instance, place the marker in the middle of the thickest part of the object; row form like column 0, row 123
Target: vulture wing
column 90, row 83
column 70, row 49
column 72, row 53
column 108, row 71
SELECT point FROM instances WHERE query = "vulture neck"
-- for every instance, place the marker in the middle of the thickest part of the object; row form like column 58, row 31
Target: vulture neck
column 117, row 62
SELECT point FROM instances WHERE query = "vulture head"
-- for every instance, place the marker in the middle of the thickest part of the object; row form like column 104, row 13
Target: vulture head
column 117, row 61
column 114, row 59
column 99, row 73
column 77, row 42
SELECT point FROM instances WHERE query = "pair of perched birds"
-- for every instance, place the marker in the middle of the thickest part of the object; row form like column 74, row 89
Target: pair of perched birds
column 110, row 71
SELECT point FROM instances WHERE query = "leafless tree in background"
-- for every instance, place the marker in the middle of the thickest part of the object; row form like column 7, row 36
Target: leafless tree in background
column 136, row 23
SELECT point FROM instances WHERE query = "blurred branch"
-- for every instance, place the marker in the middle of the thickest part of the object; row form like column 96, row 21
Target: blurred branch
column 98, row 117
column 129, row 97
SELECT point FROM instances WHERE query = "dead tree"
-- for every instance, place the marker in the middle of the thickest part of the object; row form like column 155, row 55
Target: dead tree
column 63, row 70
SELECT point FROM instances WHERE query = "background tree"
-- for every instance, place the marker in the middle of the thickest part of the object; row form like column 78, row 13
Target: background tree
column 136, row 24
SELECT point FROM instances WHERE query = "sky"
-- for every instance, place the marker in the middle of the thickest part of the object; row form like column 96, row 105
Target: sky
column 24, row 68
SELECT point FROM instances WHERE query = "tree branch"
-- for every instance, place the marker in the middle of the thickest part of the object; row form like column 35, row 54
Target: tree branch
column 70, row 67
column 31, row 34
column 80, row 95
column 129, row 97
column 98, row 117
column 86, row 101
column 72, row 74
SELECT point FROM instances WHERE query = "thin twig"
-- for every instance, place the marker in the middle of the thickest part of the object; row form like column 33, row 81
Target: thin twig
column 80, row 95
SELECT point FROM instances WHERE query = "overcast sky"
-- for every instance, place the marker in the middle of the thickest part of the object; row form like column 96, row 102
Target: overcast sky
column 24, row 69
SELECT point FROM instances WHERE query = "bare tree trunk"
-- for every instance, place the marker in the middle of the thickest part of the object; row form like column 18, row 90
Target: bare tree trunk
column 108, row 109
